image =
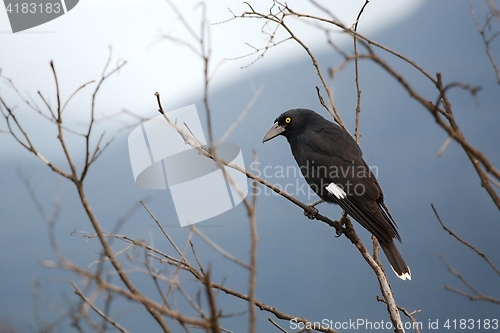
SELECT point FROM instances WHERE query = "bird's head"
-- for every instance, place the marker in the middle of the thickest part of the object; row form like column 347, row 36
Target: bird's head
column 289, row 122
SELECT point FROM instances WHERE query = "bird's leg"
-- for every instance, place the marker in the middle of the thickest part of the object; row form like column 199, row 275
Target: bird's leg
column 339, row 227
column 311, row 213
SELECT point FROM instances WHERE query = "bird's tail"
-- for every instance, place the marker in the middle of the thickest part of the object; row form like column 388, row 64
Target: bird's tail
column 397, row 262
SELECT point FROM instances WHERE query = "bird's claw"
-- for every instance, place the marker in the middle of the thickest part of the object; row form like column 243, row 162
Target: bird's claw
column 312, row 211
column 339, row 227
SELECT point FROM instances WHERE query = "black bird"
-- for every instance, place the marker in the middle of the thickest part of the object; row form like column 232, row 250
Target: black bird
column 333, row 166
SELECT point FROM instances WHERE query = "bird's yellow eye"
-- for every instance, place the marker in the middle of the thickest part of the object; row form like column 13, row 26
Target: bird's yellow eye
column 288, row 120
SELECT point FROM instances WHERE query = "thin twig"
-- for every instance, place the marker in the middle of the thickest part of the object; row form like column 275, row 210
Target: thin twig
column 357, row 133
column 486, row 41
column 411, row 315
column 163, row 231
column 214, row 316
column 479, row 296
column 219, row 249
column 276, row 325
column 242, row 115
column 251, row 210
column 464, row 242
column 99, row 312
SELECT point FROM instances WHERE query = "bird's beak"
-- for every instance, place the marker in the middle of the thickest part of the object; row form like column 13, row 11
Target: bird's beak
column 273, row 132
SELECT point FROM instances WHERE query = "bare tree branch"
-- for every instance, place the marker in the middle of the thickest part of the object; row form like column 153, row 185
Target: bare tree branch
column 482, row 31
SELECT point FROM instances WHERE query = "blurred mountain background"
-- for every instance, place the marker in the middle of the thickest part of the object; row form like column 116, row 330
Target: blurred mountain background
column 302, row 268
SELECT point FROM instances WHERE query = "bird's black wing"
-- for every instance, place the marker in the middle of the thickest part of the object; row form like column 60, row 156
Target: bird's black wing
column 328, row 154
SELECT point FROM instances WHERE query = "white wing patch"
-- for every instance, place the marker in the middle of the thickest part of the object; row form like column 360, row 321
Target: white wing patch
column 336, row 191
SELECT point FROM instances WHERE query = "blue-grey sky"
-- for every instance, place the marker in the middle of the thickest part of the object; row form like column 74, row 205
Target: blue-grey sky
column 303, row 269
